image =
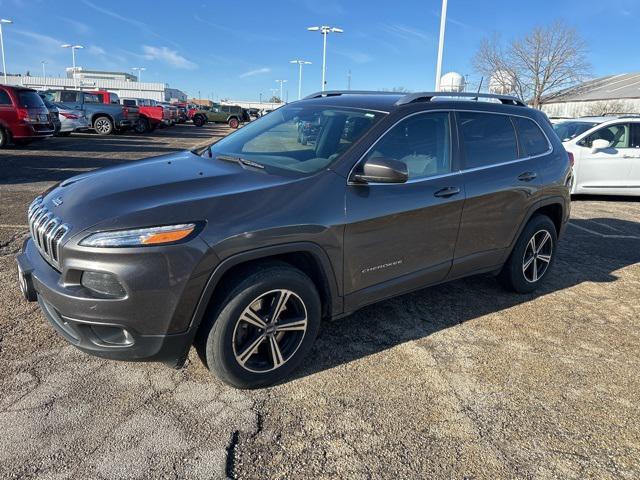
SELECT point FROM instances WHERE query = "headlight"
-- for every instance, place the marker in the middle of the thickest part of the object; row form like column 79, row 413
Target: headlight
column 140, row 237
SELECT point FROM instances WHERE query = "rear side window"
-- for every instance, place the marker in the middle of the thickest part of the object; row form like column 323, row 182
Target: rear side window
column 68, row 96
column 129, row 103
column 30, row 100
column 4, row 98
column 487, row 138
column 532, row 141
column 113, row 98
column 91, row 98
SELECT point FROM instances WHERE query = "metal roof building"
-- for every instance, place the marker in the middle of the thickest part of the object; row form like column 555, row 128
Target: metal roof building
column 609, row 95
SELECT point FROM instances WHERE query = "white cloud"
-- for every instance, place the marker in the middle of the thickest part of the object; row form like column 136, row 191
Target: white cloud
column 79, row 27
column 258, row 71
column 355, row 56
column 407, row 33
column 168, row 56
column 96, row 50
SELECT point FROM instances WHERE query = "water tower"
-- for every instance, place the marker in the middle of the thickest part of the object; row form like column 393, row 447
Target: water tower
column 452, row 82
column 501, row 82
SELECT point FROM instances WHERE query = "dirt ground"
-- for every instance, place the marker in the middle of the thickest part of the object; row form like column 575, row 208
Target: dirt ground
column 461, row 380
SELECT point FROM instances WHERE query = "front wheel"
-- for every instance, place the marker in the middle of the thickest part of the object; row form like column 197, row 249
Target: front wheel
column 142, row 126
column 199, row 120
column 103, row 126
column 532, row 256
column 263, row 328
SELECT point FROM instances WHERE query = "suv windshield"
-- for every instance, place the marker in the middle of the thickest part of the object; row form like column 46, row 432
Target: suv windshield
column 569, row 130
column 303, row 139
column 29, row 99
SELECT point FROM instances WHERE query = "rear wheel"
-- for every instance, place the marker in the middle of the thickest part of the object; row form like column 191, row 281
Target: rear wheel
column 103, row 126
column 233, row 122
column 4, row 138
column 532, row 256
column 142, row 126
column 263, row 328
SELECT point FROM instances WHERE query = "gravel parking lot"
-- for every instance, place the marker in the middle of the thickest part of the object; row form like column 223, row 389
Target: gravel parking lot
column 458, row 381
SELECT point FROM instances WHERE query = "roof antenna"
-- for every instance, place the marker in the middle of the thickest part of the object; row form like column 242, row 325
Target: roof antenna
column 479, row 87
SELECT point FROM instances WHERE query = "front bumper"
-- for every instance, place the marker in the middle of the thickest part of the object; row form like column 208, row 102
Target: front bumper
column 138, row 327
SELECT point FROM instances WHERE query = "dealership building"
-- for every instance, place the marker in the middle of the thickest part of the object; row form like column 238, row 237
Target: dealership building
column 122, row 84
column 610, row 95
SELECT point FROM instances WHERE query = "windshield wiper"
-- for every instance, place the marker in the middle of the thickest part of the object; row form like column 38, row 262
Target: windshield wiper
column 241, row 161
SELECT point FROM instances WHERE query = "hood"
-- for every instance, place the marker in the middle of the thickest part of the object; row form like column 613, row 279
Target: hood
column 170, row 187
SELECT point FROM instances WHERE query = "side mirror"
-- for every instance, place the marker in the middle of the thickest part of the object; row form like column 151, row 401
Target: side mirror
column 599, row 144
column 383, row 170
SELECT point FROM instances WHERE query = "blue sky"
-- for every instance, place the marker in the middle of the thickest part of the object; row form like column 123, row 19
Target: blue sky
column 237, row 49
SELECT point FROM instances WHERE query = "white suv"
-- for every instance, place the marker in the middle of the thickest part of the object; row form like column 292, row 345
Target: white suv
column 606, row 154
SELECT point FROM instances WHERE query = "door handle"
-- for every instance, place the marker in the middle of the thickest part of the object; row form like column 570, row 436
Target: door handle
column 527, row 176
column 447, row 192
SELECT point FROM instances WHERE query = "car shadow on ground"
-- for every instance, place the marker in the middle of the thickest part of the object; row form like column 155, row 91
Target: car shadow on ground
column 582, row 257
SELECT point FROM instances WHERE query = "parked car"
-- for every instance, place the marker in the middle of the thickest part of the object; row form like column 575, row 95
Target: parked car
column 171, row 113
column 150, row 114
column 23, row 116
column 182, row 111
column 254, row 113
column 308, row 129
column 244, row 245
column 606, row 154
column 232, row 115
column 104, row 118
column 69, row 120
column 110, row 98
column 53, row 112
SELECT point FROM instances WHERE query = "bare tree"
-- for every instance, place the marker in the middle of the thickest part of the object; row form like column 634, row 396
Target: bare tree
column 605, row 107
column 544, row 61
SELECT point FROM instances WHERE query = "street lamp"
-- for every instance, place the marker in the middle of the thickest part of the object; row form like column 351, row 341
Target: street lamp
column 139, row 70
column 73, row 58
column 324, row 30
column 281, row 82
column 4, row 66
column 443, row 22
column 300, row 64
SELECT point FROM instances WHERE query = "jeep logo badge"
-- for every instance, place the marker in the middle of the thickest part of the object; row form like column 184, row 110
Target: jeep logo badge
column 57, row 201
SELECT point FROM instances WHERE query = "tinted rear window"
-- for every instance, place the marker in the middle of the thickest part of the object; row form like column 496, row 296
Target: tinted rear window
column 532, row 140
column 4, row 98
column 129, row 103
column 487, row 138
column 68, row 96
column 30, row 100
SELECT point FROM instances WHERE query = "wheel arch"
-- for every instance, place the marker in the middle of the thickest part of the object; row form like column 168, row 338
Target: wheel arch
column 306, row 256
column 555, row 208
column 95, row 116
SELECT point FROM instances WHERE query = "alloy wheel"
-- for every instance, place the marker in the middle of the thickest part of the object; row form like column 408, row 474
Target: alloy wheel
column 537, row 256
column 269, row 331
column 102, row 126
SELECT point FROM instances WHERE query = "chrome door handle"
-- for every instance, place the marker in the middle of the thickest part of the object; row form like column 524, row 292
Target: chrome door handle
column 447, row 192
column 527, row 176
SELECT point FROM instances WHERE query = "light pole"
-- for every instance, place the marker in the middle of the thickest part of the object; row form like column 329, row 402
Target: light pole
column 73, row 58
column 44, row 72
column 300, row 64
column 325, row 30
column 139, row 70
column 4, row 65
column 443, row 22
column 281, row 82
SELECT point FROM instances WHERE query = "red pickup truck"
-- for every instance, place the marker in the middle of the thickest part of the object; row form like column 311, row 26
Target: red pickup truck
column 151, row 114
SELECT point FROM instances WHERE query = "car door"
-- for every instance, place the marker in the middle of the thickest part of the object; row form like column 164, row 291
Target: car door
column 607, row 170
column 634, row 154
column 402, row 236
column 8, row 114
column 501, row 183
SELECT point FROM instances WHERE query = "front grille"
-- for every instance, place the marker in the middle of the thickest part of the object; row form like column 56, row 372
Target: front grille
column 47, row 231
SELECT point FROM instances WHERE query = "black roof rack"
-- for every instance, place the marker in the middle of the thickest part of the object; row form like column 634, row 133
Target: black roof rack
column 428, row 96
column 337, row 93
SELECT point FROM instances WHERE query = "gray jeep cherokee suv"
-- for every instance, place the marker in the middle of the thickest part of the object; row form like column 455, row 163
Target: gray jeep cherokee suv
column 243, row 246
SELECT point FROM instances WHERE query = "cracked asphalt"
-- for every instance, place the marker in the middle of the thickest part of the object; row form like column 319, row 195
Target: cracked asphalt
column 462, row 380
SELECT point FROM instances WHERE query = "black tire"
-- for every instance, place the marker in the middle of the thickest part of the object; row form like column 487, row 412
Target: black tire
column 103, row 126
column 63, row 134
column 142, row 126
column 22, row 142
column 225, row 337
column 525, row 269
column 199, row 120
column 234, row 122
column 4, row 138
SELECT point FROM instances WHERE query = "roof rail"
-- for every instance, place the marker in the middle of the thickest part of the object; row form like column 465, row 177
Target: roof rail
column 428, row 96
column 337, row 93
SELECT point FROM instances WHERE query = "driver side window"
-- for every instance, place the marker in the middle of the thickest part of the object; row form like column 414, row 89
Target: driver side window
column 616, row 135
column 422, row 142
